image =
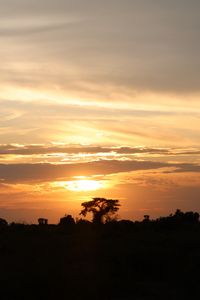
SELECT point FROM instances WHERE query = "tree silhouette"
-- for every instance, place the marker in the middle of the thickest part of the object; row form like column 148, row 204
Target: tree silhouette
column 101, row 208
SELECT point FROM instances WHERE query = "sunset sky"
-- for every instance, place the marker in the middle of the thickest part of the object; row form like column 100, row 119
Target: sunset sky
column 99, row 98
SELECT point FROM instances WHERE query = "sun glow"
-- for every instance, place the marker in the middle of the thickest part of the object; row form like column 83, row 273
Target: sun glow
column 84, row 185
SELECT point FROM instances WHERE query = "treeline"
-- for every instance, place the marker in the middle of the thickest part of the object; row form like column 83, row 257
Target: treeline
column 67, row 223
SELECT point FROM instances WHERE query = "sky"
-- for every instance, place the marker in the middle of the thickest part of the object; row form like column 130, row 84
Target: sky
column 99, row 98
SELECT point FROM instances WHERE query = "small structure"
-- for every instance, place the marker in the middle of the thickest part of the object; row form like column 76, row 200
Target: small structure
column 146, row 218
column 42, row 221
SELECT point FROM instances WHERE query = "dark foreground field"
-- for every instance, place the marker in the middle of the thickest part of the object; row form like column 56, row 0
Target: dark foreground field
column 118, row 260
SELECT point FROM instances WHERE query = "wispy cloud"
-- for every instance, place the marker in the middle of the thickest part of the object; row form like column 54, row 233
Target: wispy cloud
column 97, row 124
column 130, row 44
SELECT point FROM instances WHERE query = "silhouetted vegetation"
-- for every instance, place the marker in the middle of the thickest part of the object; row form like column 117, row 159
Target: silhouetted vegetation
column 67, row 223
column 3, row 223
column 101, row 208
column 119, row 260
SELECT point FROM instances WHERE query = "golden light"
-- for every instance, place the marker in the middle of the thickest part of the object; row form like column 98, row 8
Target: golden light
column 84, row 185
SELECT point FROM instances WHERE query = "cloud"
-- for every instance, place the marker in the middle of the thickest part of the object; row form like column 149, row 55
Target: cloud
column 140, row 45
column 45, row 149
column 19, row 173
column 50, row 172
column 44, row 121
column 131, row 66
column 187, row 168
column 54, row 153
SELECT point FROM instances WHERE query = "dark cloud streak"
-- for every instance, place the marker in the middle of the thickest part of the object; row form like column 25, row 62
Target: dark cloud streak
column 26, row 173
column 34, row 149
column 14, row 173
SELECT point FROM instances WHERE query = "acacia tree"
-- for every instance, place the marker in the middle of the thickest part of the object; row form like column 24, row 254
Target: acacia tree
column 101, row 208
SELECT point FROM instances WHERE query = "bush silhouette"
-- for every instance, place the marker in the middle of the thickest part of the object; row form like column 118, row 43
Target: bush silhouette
column 67, row 220
column 3, row 222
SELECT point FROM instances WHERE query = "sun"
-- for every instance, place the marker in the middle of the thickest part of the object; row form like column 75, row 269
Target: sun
column 84, row 185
